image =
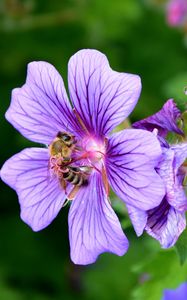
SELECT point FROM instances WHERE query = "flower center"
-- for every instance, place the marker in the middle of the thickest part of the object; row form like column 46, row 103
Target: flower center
column 94, row 150
column 72, row 160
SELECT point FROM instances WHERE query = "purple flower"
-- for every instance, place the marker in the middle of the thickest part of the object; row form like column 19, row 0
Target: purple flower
column 178, row 294
column 165, row 120
column 166, row 221
column 176, row 12
column 81, row 157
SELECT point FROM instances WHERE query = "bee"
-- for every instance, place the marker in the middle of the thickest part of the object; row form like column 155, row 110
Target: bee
column 61, row 160
column 62, row 146
column 77, row 176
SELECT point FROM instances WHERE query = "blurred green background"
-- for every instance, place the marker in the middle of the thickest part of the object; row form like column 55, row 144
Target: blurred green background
column 136, row 39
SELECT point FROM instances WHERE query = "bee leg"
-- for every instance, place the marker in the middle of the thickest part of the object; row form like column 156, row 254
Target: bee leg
column 73, row 192
column 66, row 202
column 64, row 185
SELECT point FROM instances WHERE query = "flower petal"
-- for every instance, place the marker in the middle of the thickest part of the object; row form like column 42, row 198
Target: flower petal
column 93, row 226
column 131, row 158
column 177, row 294
column 165, row 224
column 164, row 120
column 176, row 11
column 40, row 195
column 40, row 108
column 138, row 218
column 180, row 154
column 102, row 97
column 171, row 175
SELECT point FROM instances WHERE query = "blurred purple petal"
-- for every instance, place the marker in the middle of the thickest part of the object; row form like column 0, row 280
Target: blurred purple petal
column 40, row 195
column 169, row 172
column 176, row 12
column 102, row 97
column 40, row 108
column 179, row 293
column 165, row 224
column 180, row 154
column 93, row 226
column 164, row 120
column 131, row 157
column 166, row 221
column 138, row 218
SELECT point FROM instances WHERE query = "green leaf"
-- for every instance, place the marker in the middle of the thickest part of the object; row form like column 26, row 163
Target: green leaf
column 184, row 116
column 163, row 271
column 113, row 277
column 181, row 247
column 176, row 88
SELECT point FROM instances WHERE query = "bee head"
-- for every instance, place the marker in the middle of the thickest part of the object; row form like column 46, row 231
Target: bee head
column 67, row 138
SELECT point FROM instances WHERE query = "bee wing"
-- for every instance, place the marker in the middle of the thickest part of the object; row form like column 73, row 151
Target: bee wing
column 85, row 169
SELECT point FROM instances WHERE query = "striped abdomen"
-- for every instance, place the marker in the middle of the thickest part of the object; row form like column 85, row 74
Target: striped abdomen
column 75, row 176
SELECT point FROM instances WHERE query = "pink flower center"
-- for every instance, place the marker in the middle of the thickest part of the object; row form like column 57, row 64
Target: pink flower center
column 93, row 150
column 73, row 160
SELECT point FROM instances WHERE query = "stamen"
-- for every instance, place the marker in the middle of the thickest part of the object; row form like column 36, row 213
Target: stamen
column 80, row 121
column 105, row 180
